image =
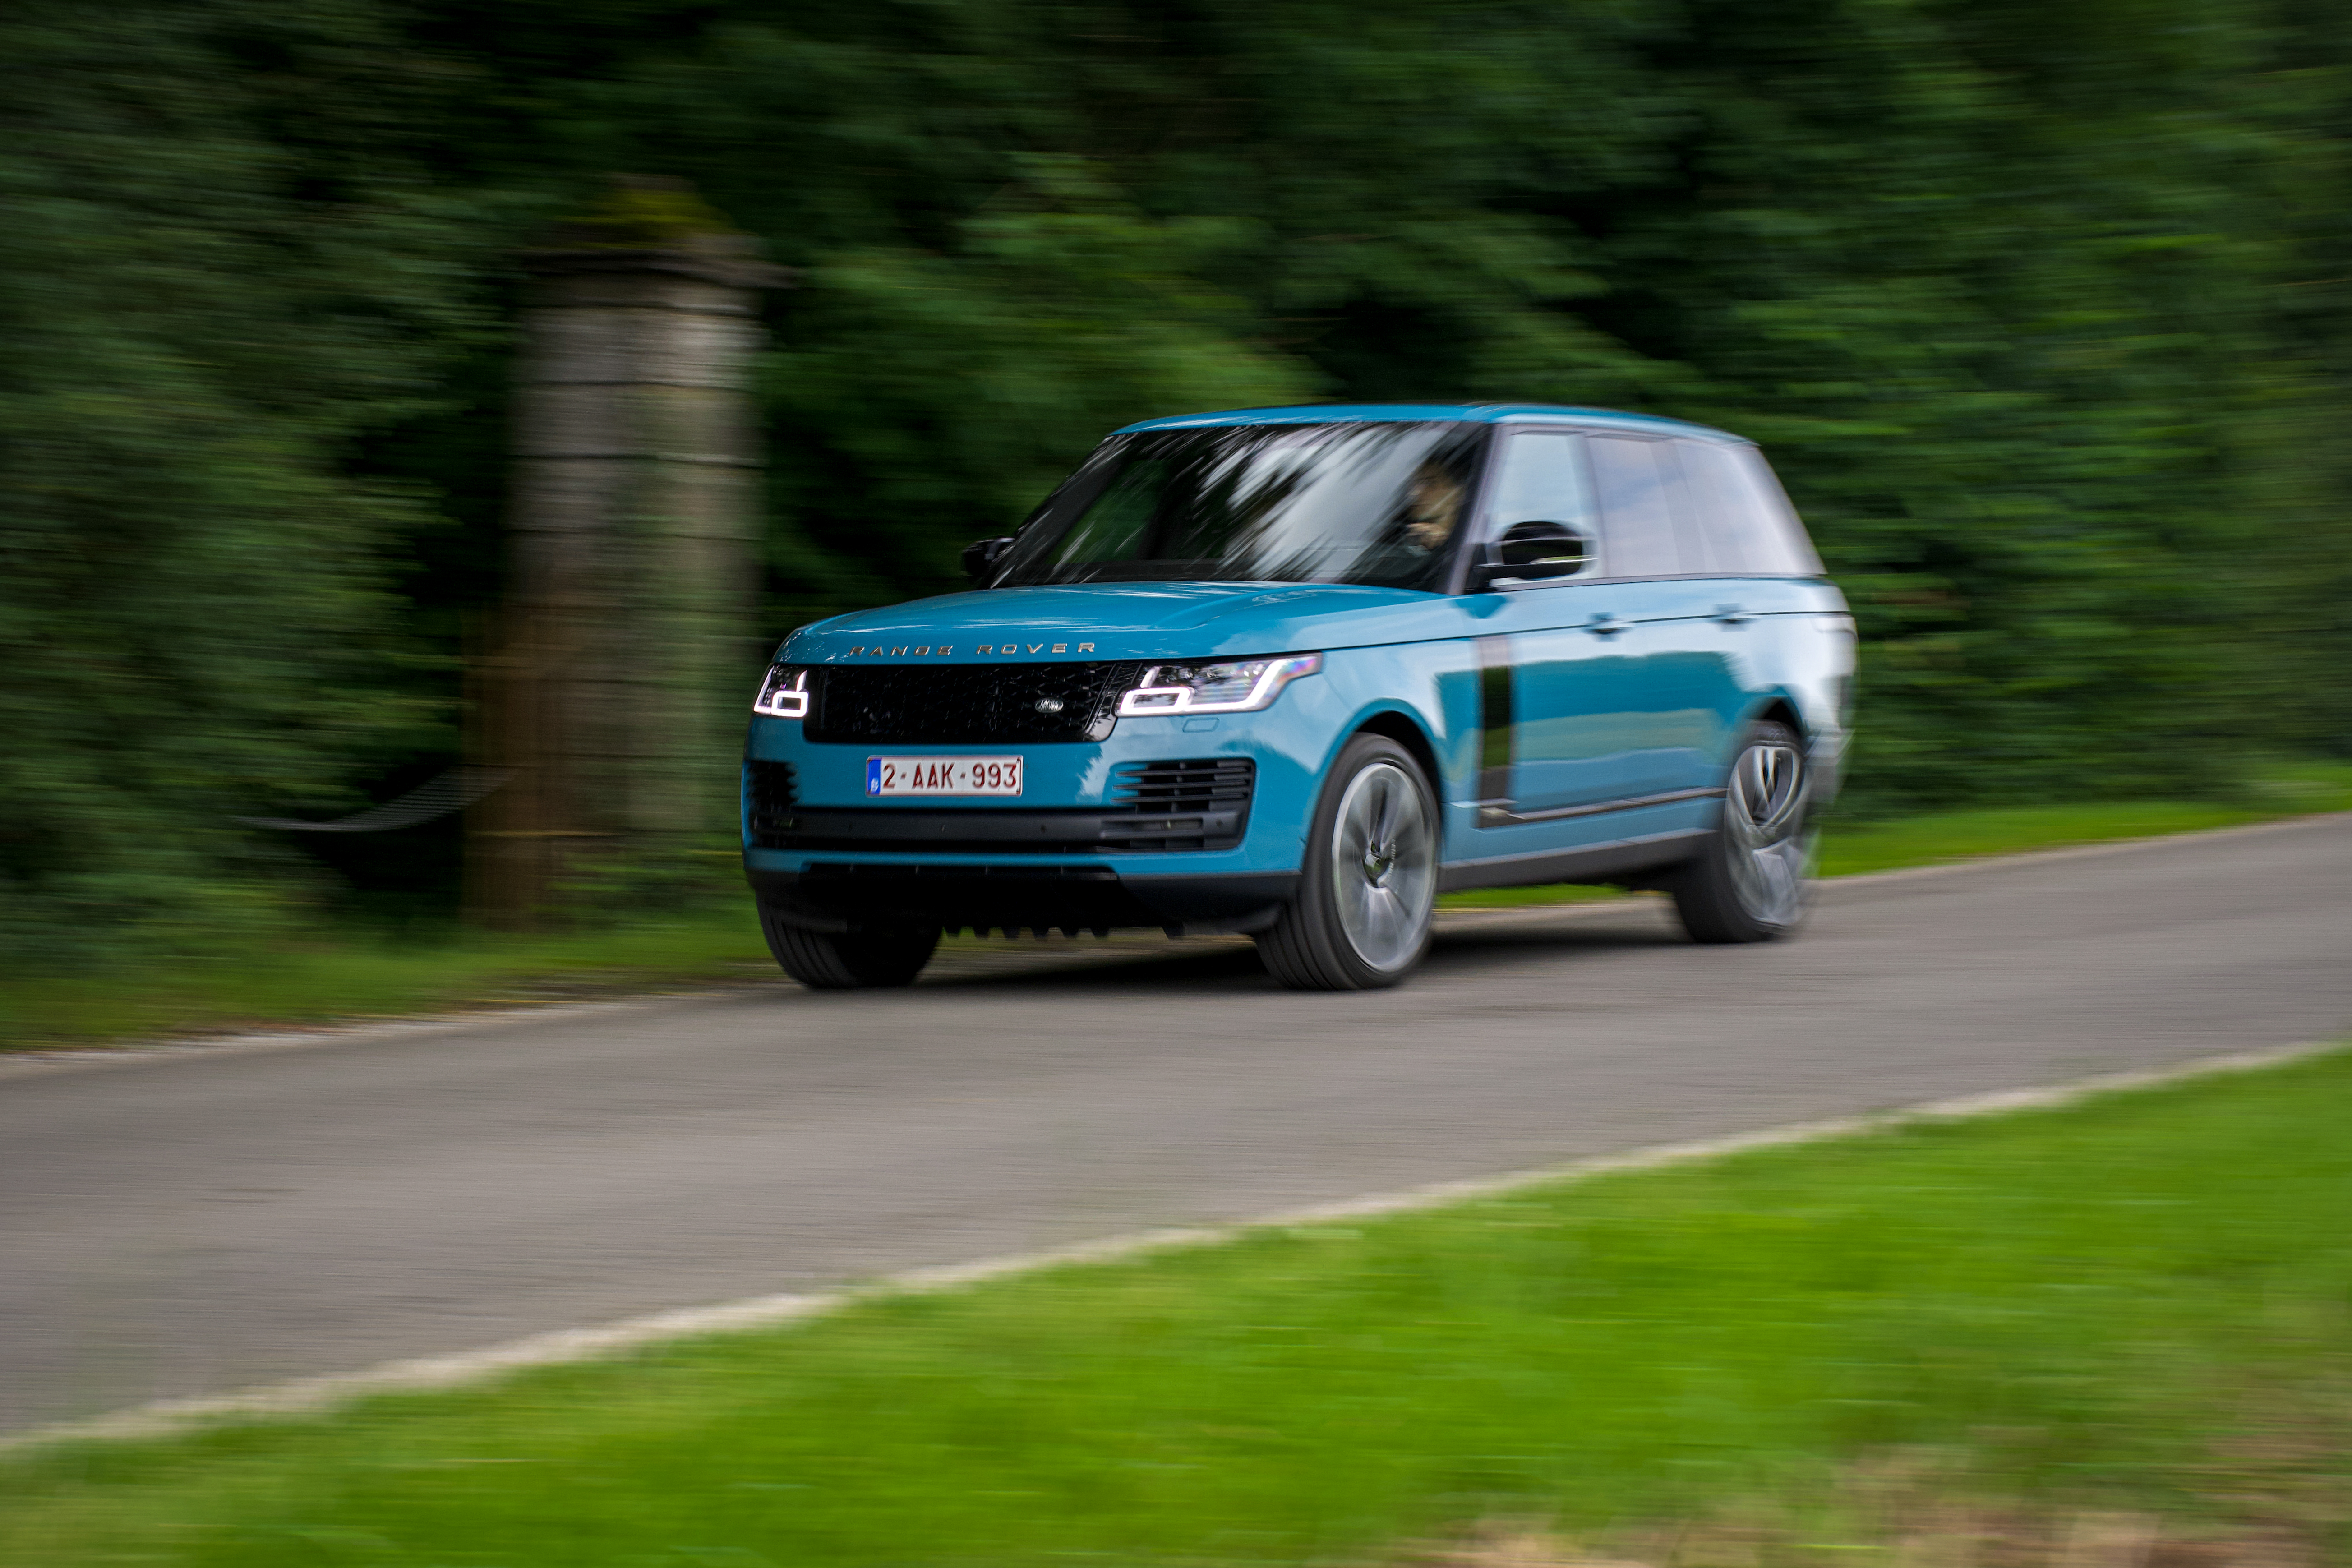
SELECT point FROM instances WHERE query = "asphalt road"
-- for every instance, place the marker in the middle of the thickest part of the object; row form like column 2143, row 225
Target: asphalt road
column 192, row 1222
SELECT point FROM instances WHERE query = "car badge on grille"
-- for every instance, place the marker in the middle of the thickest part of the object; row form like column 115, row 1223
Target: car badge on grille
column 1049, row 705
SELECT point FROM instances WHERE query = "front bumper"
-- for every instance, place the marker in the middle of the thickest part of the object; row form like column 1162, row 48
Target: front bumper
column 1172, row 804
column 1183, row 824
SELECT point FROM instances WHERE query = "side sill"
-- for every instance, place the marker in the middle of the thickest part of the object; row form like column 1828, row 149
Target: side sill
column 1593, row 863
column 1498, row 814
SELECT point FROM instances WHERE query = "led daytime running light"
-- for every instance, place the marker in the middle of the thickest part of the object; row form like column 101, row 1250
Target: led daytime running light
column 785, row 694
column 1175, row 687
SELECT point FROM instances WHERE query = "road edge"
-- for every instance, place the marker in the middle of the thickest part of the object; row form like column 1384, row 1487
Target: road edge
column 40, row 1061
column 321, row 1394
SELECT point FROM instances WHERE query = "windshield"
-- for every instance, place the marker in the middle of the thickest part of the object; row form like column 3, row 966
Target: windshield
column 1357, row 502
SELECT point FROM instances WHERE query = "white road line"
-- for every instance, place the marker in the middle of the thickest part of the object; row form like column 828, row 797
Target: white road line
column 313, row 1396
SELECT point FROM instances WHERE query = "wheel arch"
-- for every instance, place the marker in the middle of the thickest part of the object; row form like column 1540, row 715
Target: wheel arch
column 1822, row 753
column 1781, row 709
column 1406, row 730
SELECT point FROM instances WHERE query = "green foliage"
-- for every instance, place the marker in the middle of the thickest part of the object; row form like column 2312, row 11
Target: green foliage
column 213, row 273
column 2016, row 300
column 1994, row 285
column 2042, row 313
column 937, row 399
column 638, row 212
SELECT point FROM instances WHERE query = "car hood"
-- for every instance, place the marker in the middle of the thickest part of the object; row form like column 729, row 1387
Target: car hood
column 1130, row 620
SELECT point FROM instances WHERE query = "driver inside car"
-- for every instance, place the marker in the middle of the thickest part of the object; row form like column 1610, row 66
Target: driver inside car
column 1433, row 505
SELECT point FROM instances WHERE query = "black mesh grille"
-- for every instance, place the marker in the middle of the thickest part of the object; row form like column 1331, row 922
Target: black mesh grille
column 959, row 704
column 1200, row 786
column 769, row 794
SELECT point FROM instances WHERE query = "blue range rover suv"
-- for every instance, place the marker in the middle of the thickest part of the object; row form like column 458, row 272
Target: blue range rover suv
column 1296, row 672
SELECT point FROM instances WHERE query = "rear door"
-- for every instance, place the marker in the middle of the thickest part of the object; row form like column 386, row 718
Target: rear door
column 1680, row 690
column 1688, row 694
column 1751, row 564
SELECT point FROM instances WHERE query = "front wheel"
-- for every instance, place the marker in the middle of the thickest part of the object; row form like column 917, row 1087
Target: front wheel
column 1754, row 879
column 847, row 960
column 1369, row 888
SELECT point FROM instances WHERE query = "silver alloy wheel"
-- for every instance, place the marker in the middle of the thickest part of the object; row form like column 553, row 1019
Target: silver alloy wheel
column 1764, row 820
column 1383, row 867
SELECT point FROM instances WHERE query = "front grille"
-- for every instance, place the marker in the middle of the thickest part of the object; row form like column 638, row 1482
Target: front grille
column 967, row 704
column 769, row 796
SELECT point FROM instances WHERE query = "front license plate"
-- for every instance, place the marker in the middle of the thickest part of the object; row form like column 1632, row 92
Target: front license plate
column 942, row 776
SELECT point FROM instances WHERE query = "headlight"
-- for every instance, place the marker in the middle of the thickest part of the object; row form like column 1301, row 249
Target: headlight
column 1239, row 686
column 785, row 693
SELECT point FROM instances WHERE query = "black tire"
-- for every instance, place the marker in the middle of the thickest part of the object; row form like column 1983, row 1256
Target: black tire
column 852, row 961
column 1364, row 925
column 1753, row 881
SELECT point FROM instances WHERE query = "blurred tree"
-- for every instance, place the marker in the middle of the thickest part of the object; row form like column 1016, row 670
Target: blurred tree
column 930, row 399
column 2042, row 313
column 1998, row 285
column 215, row 272
column 2009, row 294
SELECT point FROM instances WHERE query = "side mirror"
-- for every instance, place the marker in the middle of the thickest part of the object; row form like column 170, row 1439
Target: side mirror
column 1531, row 551
column 980, row 557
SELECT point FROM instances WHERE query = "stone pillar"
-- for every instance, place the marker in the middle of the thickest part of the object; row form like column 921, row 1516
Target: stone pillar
column 618, row 691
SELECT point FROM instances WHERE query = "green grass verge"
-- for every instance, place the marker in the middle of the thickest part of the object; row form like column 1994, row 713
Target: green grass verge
column 2090, row 1303
column 1849, row 848
column 341, row 976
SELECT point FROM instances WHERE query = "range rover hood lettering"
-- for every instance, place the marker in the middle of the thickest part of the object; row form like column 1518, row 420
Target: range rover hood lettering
column 1128, row 620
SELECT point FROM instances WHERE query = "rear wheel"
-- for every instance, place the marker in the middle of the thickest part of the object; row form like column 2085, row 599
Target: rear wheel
column 1367, row 892
column 1754, row 879
column 847, row 960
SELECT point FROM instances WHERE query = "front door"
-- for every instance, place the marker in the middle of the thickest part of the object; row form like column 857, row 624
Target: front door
column 1568, row 668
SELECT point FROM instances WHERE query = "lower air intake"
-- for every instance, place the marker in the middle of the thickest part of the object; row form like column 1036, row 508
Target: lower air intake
column 769, row 793
column 1199, row 785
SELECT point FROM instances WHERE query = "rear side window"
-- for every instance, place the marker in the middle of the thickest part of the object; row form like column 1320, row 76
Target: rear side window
column 1795, row 551
column 1738, row 516
column 1637, row 524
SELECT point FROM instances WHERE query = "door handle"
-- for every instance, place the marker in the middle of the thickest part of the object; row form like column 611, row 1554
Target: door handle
column 1607, row 625
column 1732, row 616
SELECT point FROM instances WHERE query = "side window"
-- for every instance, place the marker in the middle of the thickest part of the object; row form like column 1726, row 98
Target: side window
column 1739, row 513
column 1737, row 510
column 1789, row 550
column 1720, row 512
column 1542, row 507
column 1637, row 536
column 1542, row 480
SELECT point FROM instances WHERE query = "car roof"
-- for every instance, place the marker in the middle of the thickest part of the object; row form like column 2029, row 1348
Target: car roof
column 1466, row 412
